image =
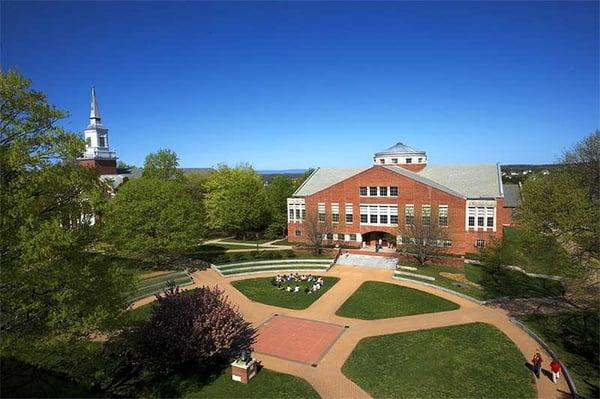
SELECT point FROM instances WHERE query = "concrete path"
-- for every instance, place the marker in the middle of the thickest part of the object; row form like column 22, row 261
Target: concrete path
column 328, row 379
column 266, row 246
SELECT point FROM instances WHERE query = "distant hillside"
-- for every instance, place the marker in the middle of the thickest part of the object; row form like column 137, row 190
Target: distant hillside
column 517, row 173
column 281, row 172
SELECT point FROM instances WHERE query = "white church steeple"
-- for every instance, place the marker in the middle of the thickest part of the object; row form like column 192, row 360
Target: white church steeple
column 97, row 152
column 94, row 111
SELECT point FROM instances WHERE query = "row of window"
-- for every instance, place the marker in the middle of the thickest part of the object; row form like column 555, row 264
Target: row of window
column 296, row 212
column 484, row 216
column 395, row 160
column 478, row 217
column 379, row 214
column 420, row 241
column 378, row 191
column 409, row 215
column 332, row 236
column 403, row 240
column 382, row 214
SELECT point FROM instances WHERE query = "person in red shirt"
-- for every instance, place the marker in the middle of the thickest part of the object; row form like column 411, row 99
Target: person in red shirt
column 555, row 369
column 537, row 364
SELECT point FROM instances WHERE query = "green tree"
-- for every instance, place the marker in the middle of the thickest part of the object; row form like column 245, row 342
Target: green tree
column 583, row 161
column 195, row 185
column 53, row 288
column 236, row 201
column 559, row 229
column 162, row 164
column 278, row 191
column 154, row 219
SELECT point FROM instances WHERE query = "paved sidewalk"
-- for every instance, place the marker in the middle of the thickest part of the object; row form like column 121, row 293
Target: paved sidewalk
column 266, row 246
column 327, row 378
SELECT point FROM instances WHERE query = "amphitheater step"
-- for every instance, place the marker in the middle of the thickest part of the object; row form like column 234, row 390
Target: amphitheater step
column 414, row 275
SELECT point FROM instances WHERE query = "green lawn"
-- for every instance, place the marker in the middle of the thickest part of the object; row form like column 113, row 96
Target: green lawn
column 266, row 384
column 282, row 242
column 20, row 380
column 262, row 241
column 506, row 283
column 222, row 247
column 377, row 300
column 576, row 339
column 467, row 361
column 471, row 271
column 261, row 290
column 139, row 314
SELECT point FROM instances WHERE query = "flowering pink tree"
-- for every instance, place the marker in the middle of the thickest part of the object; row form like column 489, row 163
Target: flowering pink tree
column 201, row 329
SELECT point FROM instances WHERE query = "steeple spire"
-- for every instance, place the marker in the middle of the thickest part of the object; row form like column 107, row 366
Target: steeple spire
column 95, row 111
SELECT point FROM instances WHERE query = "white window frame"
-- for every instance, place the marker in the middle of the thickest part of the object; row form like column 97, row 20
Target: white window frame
column 378, row 210
column 348, row 212
column 478, row 209
column 321, row 211
column 408, row 207
column 443, row 213
column 335, row 210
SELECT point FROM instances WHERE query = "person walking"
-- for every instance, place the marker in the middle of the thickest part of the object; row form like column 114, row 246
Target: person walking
column 555, row 369
column 537, row 364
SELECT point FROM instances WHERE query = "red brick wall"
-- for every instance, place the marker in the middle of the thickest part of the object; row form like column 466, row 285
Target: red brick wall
column 104, row 166
column 409, row 192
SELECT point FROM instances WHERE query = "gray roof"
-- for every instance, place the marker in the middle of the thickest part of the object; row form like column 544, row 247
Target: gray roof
column 400, row 149
column 512, row 195
column 467, row 181
column 473, row 181
column 322, row 178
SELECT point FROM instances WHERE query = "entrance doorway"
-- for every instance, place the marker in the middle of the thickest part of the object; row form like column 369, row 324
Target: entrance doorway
column 371, row 239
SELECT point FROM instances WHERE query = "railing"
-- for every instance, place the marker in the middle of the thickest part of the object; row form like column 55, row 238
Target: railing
column 95, row 154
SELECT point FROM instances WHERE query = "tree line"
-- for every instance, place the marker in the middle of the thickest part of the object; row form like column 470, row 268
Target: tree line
column 64, row 281
column 165, row 212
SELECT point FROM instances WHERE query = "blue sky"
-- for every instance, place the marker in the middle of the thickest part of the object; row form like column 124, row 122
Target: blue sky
column 294, row 85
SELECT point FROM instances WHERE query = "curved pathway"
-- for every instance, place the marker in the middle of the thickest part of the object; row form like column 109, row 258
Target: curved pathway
column 328, row 379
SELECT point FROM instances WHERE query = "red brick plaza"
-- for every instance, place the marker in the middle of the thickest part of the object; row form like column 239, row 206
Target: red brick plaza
column 299, row 340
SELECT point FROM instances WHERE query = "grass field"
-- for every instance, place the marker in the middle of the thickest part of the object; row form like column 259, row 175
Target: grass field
column 266, row 384
column 261, row 290
column 377, row 300
column 40, row 383
column 139, row 314
column 467, row 361
column 20, row 380
column 471, row 272
column 507, row 283
column 575, row 337
column 282, row 242
column 262, row 241
column 222, row 247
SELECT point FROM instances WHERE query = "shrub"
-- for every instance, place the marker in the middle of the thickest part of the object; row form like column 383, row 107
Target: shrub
column 290, row 253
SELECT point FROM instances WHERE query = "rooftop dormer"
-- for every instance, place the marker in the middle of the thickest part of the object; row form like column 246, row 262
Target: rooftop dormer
column 402, row 155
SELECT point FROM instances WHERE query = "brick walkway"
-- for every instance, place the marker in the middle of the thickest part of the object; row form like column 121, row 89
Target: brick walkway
column 327, row 379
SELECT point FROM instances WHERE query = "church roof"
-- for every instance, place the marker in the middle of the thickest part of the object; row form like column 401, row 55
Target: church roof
column 467, row 181
column 400, row 149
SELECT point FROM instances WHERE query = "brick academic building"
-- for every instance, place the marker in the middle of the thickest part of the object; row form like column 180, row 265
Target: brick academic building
column 373, row 203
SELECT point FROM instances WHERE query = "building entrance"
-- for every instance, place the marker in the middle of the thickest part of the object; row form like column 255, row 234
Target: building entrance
column 378, row 237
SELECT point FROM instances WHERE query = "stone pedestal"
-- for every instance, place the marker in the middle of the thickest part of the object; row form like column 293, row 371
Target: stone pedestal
column 242, row 371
